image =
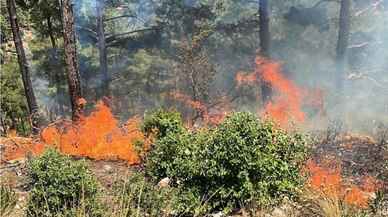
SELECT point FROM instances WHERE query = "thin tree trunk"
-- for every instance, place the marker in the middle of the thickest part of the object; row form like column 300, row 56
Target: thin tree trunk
column 102, row 49
column 50, row 32
column 59, row 110
column 265, row 43
column 343, row 41
column 72, row 71
column 24, row 67
column 265, row 35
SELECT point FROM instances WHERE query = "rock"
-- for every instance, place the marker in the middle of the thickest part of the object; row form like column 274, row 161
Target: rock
column 107, row 168
column 218, row 214
column 165, row 182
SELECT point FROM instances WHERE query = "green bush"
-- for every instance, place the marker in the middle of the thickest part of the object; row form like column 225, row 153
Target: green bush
column 161, row 123
column 139, row 197
column 59, row 186
column 240, row 161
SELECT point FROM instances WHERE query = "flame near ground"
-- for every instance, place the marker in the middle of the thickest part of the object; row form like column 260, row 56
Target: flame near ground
column 97, row 136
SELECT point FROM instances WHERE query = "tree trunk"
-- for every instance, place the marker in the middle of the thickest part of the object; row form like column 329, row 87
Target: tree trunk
column 102, row 49
column 265, row 43
column 72, row 71
column 343, row 41
column 265, row 36
column 24, row 67
column 51, row 34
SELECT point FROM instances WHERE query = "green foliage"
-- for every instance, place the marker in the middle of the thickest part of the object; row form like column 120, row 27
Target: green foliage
column 13, row 104
column 162, row 122
column 137, row 196
column 8, row 200
column 240, row 161
column 59, row 185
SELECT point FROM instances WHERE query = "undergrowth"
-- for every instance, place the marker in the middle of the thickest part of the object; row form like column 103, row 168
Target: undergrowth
column 58, row 184
column 242, row 160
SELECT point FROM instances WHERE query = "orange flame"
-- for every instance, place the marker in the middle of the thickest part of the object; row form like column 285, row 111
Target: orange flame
column 98, row 136
column 287, row 105
column 19, row 147
column 329, row 182
column 288, row 102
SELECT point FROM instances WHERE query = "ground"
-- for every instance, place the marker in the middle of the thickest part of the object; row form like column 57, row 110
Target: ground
column 358, row 156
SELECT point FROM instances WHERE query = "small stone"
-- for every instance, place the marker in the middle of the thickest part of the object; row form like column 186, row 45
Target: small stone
column 165, row 182
column 107, row 168
column 218, row 214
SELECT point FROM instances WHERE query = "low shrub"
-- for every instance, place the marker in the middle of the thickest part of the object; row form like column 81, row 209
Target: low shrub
column 58, row 184
column 137, row 196
column 240, row 161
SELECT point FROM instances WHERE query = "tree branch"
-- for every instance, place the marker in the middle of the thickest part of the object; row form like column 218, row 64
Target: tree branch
column 113, row 37
column 118, row 17
column 94, row 34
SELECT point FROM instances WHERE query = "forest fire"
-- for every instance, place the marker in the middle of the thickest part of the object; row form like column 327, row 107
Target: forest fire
column 97, row 136
column 327, row 180
column 287, row 104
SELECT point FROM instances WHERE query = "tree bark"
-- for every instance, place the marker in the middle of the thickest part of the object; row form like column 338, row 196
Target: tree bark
column 72, row 70
column 50, row 32
column 24, row 67
column 102, row 48
column 265, row 43
column 343, row 41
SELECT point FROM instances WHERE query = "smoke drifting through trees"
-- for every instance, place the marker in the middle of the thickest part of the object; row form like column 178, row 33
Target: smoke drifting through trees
column 131, row 51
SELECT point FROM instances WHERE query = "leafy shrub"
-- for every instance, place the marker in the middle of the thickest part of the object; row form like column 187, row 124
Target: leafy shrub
column 240, row 161
column 8, row 200
column 139, row 197
column 162, row 122
column 59, row 185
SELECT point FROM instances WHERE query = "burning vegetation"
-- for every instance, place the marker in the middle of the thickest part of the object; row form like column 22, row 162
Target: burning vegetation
column 329, row 181
column 286, row 106
column 97, row 136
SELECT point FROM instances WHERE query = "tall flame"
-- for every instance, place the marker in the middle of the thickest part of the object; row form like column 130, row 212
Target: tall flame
column 287, row 103
column 98, row 136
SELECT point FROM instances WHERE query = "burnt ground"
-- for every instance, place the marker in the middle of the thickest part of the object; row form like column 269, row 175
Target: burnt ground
column 358, row 156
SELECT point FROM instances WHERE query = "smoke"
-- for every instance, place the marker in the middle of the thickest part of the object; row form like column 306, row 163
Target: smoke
column 145, row 66
column 308, row 55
